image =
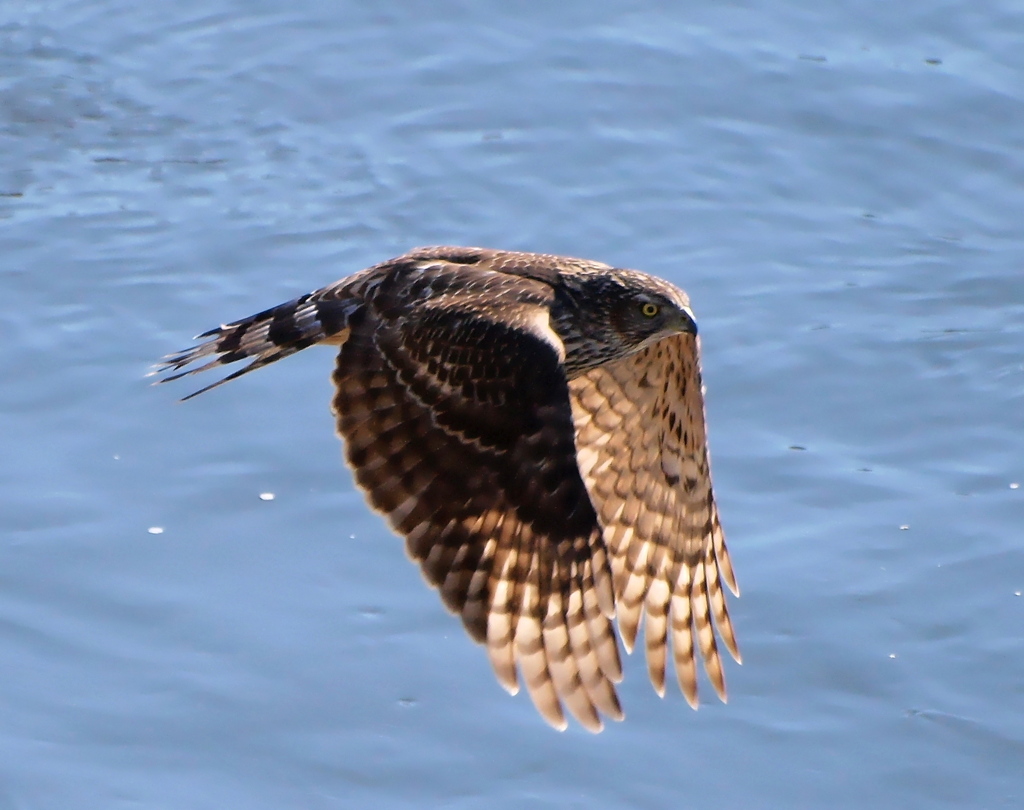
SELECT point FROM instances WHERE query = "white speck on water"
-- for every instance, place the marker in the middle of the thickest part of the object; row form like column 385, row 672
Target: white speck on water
column 156, row 530
column 892, row 655
column 118, row 458
column 266, row 496
column 904, row 527
column 1016, row 593
column 1015, row 485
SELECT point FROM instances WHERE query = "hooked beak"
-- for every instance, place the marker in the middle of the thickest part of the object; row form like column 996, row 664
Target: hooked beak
column 687, row 323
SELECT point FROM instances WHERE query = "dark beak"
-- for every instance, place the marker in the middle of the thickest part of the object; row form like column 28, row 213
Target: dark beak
column 687, row 323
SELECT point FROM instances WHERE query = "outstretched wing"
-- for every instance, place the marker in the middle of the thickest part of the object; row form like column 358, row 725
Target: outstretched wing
column 454, row 408
column 317, row 317
column 642, row 451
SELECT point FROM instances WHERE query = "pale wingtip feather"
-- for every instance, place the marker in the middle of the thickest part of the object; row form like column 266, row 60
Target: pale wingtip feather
column 724, row 562
column 552, row 714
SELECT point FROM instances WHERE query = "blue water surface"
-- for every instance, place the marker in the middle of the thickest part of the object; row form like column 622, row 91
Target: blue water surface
column 838, row 186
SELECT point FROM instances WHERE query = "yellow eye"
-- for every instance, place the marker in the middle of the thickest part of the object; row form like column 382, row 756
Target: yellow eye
column 649, row 310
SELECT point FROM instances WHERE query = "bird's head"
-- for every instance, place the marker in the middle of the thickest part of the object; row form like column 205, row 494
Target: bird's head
column 620, row 312
column 644, row 309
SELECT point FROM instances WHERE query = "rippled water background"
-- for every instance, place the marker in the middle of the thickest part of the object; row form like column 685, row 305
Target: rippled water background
column 840, row 188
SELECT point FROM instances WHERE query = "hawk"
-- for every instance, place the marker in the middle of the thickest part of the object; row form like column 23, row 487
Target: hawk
column 533, row 425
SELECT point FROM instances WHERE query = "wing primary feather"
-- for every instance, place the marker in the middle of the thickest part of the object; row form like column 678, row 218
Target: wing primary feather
column 561, row 657
column 631, row 603
column 501, row 628
column 602, row 579
column 531, row 653
column 722, row 555
column 595, row 679
column 706, row 633
column 719, row 609
column 656, row 632
column 682, row 639
column 476, row 608
column 255, row 364
column 267, row 336
column 602, row 636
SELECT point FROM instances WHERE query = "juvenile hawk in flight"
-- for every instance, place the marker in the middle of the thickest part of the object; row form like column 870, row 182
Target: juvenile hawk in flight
column 533, row 426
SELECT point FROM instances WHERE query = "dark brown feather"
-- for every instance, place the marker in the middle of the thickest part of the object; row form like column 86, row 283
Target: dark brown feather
column 452, row 416
column 539, row 445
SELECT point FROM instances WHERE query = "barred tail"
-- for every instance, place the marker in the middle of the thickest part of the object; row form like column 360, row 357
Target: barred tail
column 318, row 317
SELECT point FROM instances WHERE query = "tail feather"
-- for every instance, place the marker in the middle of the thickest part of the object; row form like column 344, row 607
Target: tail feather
column 317, row 317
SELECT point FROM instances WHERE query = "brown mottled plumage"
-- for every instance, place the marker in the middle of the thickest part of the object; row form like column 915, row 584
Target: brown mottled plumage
column 533, row 425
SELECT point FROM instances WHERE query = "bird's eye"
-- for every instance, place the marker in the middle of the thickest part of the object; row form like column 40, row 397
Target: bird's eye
column 649, row 310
